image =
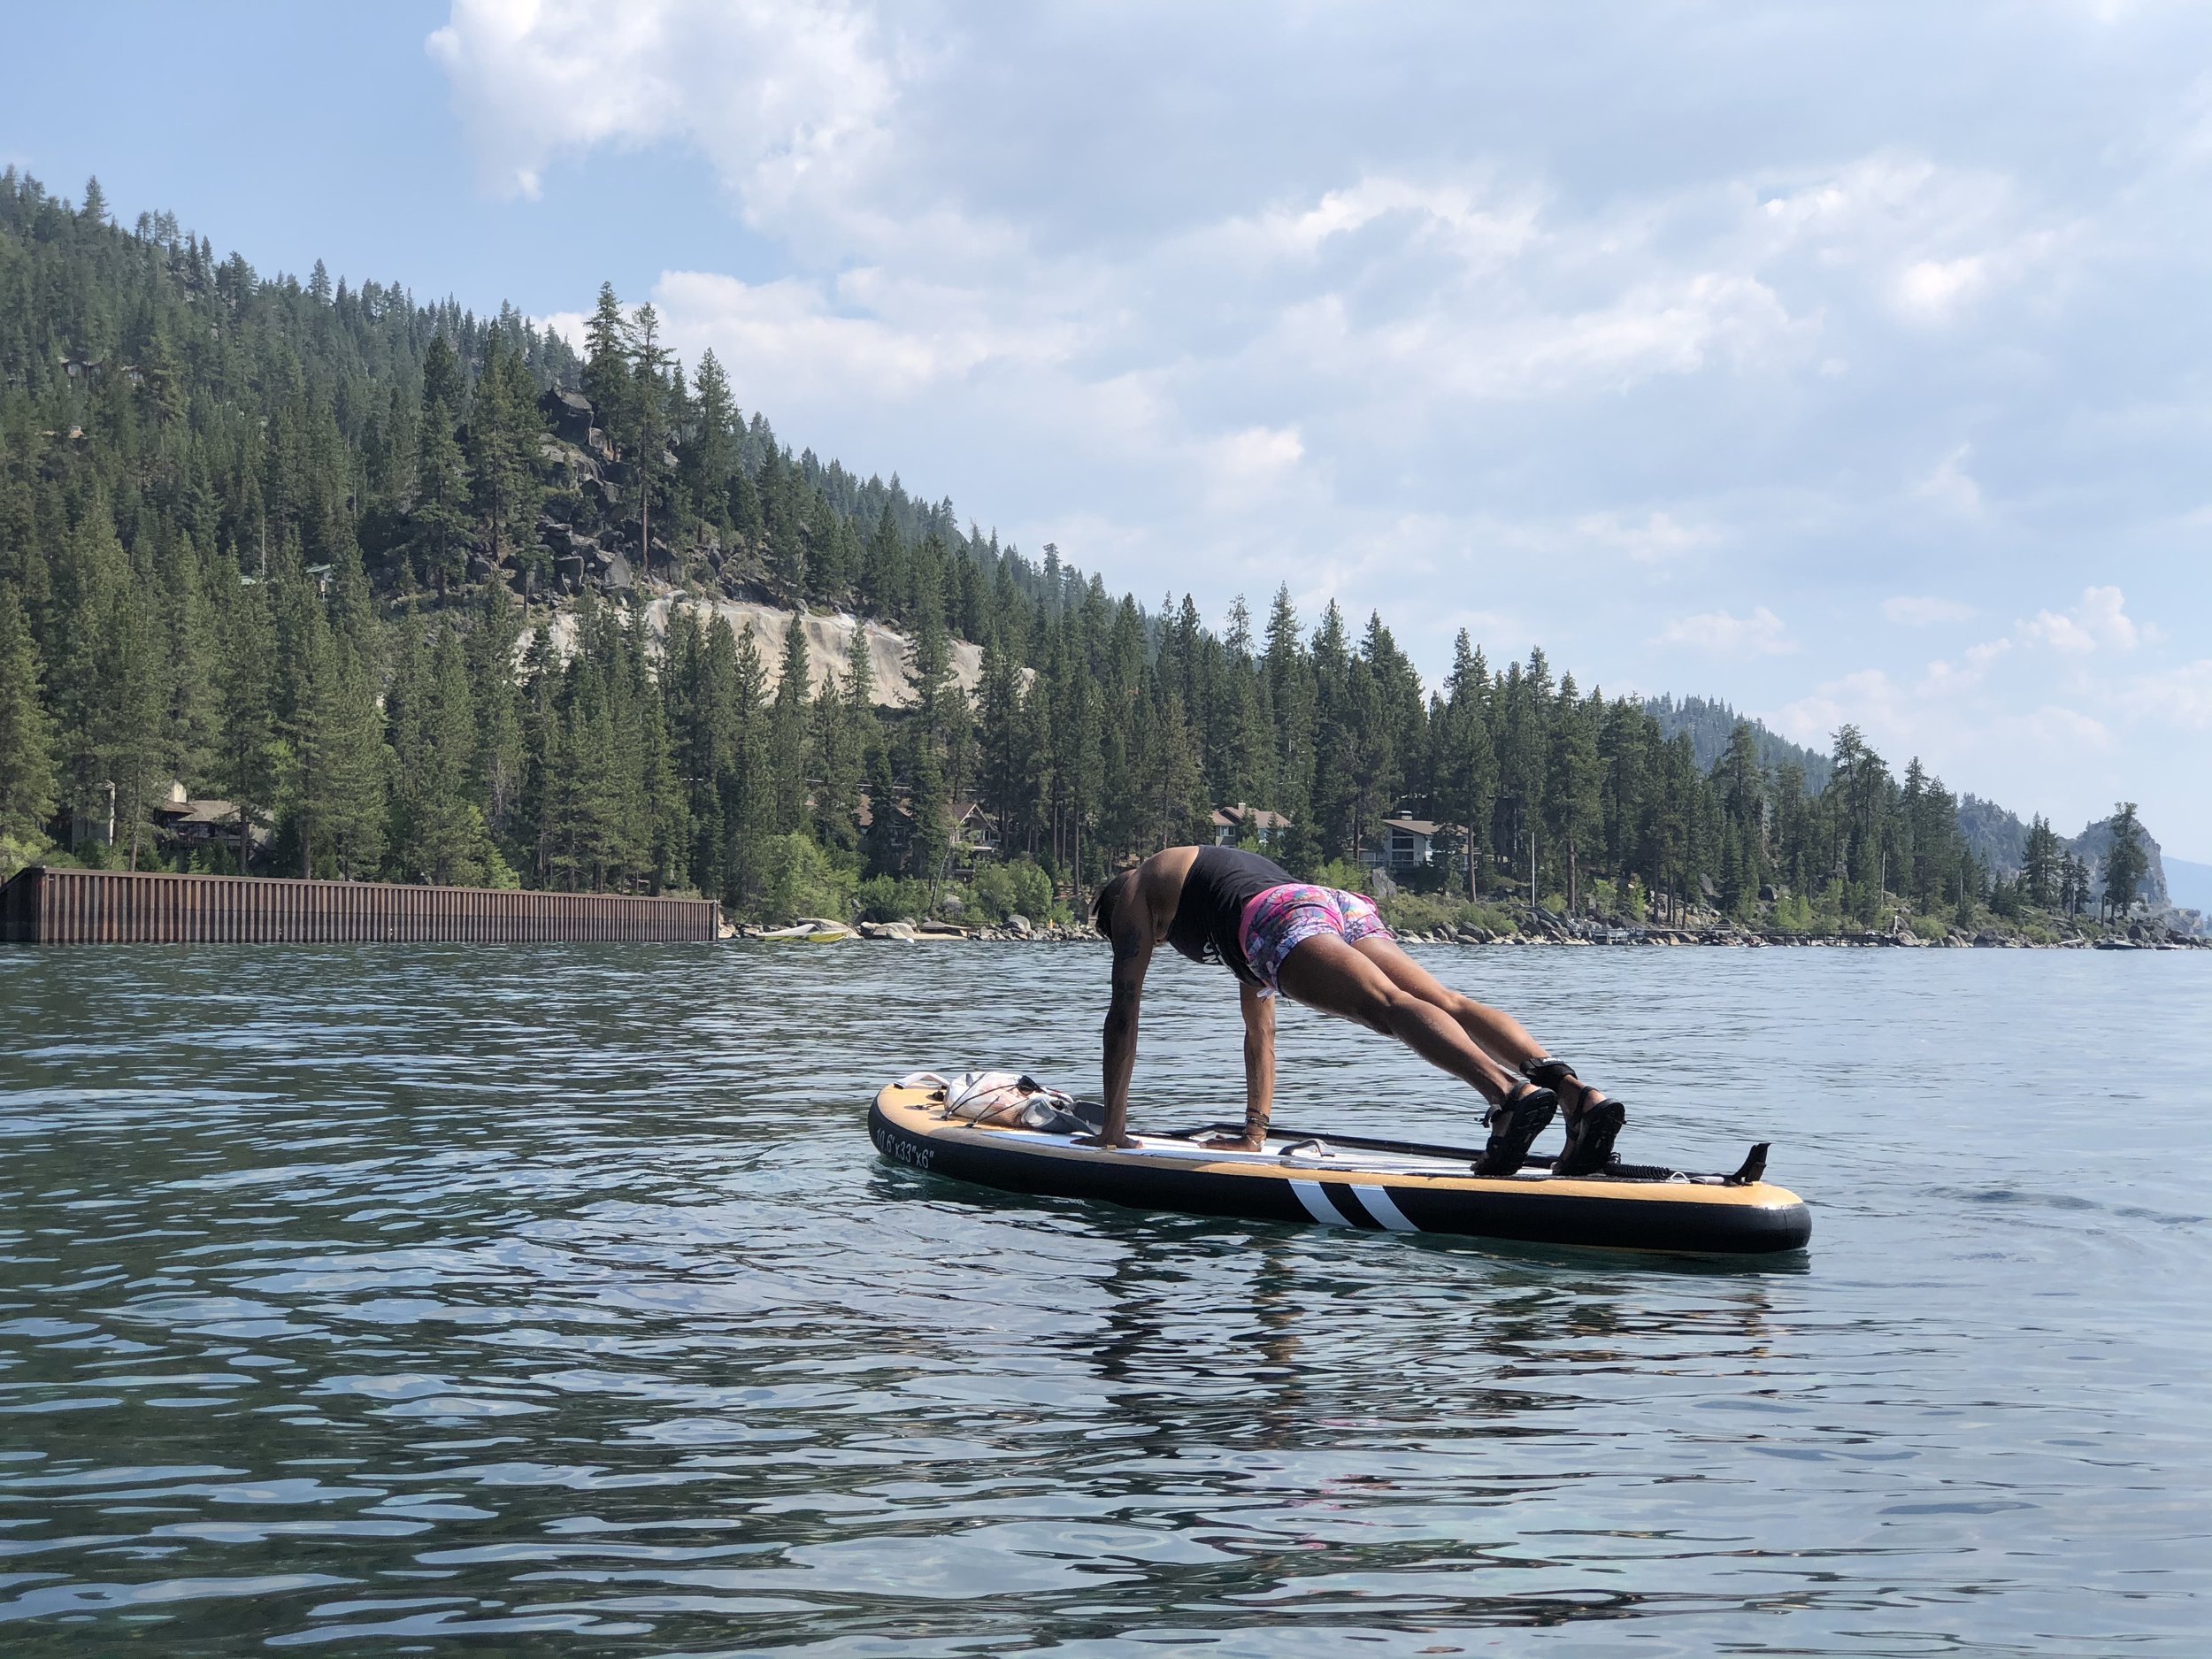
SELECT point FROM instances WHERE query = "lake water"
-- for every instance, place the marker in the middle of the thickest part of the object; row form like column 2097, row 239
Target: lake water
column 552, row 1300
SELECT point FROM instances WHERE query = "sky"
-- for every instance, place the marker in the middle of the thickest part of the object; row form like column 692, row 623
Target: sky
column 1846, row 362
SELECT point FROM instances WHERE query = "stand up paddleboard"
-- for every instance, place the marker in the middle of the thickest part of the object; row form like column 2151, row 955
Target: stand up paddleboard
column 1351, row 1181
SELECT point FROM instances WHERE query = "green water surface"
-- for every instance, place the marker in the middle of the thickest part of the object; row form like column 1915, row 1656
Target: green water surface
column 551, row 1299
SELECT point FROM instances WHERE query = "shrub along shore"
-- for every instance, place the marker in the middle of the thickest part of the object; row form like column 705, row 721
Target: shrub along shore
column 1415, row 924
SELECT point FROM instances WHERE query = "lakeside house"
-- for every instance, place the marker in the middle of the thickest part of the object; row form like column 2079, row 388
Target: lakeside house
column 1264, row 827
column 974, row 833
column 1408, row 843
column 181, row 823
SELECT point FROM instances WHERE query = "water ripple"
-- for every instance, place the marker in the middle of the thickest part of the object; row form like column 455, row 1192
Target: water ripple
column 552, row 1300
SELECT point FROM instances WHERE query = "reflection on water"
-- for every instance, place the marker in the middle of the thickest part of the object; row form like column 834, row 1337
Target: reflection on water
column 395, row 1301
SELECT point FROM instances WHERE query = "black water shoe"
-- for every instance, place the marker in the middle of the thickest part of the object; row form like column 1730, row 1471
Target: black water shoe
column 1590, row 1136
column 1515, row 1124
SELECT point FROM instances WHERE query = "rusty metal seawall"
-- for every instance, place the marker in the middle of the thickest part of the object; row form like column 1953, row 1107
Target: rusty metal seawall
column 94, row 907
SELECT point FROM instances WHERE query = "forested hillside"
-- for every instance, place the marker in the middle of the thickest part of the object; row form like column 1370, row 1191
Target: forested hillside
column 1711, row 725
column 295, row 545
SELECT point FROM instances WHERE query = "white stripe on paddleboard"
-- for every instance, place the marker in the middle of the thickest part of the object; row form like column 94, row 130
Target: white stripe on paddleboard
column 1318, row 1205
column 1385, row 1209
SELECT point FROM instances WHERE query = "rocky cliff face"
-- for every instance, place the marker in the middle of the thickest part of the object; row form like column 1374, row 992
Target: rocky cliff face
column 2093, row 845
column 828, row 643
column 2000, row 839
column 589, row 543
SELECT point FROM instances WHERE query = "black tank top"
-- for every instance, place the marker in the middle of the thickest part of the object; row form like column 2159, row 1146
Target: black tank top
column 1222, row 881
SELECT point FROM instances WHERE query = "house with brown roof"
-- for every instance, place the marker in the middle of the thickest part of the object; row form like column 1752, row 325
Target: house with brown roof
column 1253, row 823
column 1408, row 843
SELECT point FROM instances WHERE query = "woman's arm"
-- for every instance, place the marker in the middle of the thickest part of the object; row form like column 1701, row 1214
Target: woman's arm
column 1259, row 1068
column 1133, row 956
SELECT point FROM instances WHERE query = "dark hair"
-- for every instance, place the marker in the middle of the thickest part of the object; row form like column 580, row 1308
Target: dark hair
column 1105, row 901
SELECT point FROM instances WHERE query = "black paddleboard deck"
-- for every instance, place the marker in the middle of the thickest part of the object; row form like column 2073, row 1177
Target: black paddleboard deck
column 1397, row 1186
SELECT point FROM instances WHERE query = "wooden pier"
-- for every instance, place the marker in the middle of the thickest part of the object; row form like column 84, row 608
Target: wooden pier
column 107, row 907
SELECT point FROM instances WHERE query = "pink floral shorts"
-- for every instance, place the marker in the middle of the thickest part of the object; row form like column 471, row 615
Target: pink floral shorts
column 1278, row 921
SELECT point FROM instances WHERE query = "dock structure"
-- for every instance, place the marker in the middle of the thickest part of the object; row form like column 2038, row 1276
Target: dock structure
column 43, row 906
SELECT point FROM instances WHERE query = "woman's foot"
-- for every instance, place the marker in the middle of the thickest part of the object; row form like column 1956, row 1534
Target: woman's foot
column 1235, row 1144
column 1591, row 1131
column 1593, row 1121
column 1515, row 1123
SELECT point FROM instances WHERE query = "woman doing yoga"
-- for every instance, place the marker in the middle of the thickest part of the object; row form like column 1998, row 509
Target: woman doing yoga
column 1330, row 950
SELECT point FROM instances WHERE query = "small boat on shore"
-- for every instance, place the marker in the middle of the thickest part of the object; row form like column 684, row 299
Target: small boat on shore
column 1347, row 1180
column 811, row 931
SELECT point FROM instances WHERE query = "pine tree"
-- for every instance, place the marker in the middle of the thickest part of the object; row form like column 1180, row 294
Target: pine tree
column 787, row 731
column 1742, row 786
column 504, row 431
column 442, row 381
column 749, row 796
column 248, row 754
column 999, row 711
column 1573, row 803
column 189, row 639
column 649, row 415
column 355, row 766
column 2125, row 862
column 709, row 451
column 1466, row 766
column 441, row 836
column 784, row 525
column 2040, row 870
column 501, row 757
column 27, row 764
column 313, row 732
column 1290, row 686
column 441, row 494
column 880, row 843
column 667, row 834
column 607, row 367
column 132, row 729
column 1175, row 774
column 884, row 576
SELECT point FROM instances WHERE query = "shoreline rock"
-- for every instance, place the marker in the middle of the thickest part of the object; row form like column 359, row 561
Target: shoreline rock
column 1758, row 940
column 1721, row 938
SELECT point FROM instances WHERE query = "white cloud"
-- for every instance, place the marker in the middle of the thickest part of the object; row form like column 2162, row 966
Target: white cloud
column 1457, row 216
column 2100, row 620
column 1246, row 467
column 1656, row 538
column 2180, row 696
column 1931, row 289
column 1869, row 699
column 782, row 97
column 1722, row 634
column 1941, row 679
column 1379, row 316
column 1950, row 486
column 1933, row 241
column 1957, row 734
column 1922, row 612
column 784, row 333
column 2055, row 725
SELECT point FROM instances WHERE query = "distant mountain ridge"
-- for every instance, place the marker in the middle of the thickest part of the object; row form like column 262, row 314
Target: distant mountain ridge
column 1709, row 722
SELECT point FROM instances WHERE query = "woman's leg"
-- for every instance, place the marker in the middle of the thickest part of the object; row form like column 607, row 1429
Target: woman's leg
column 1325, row 972
column 1498, row 1032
